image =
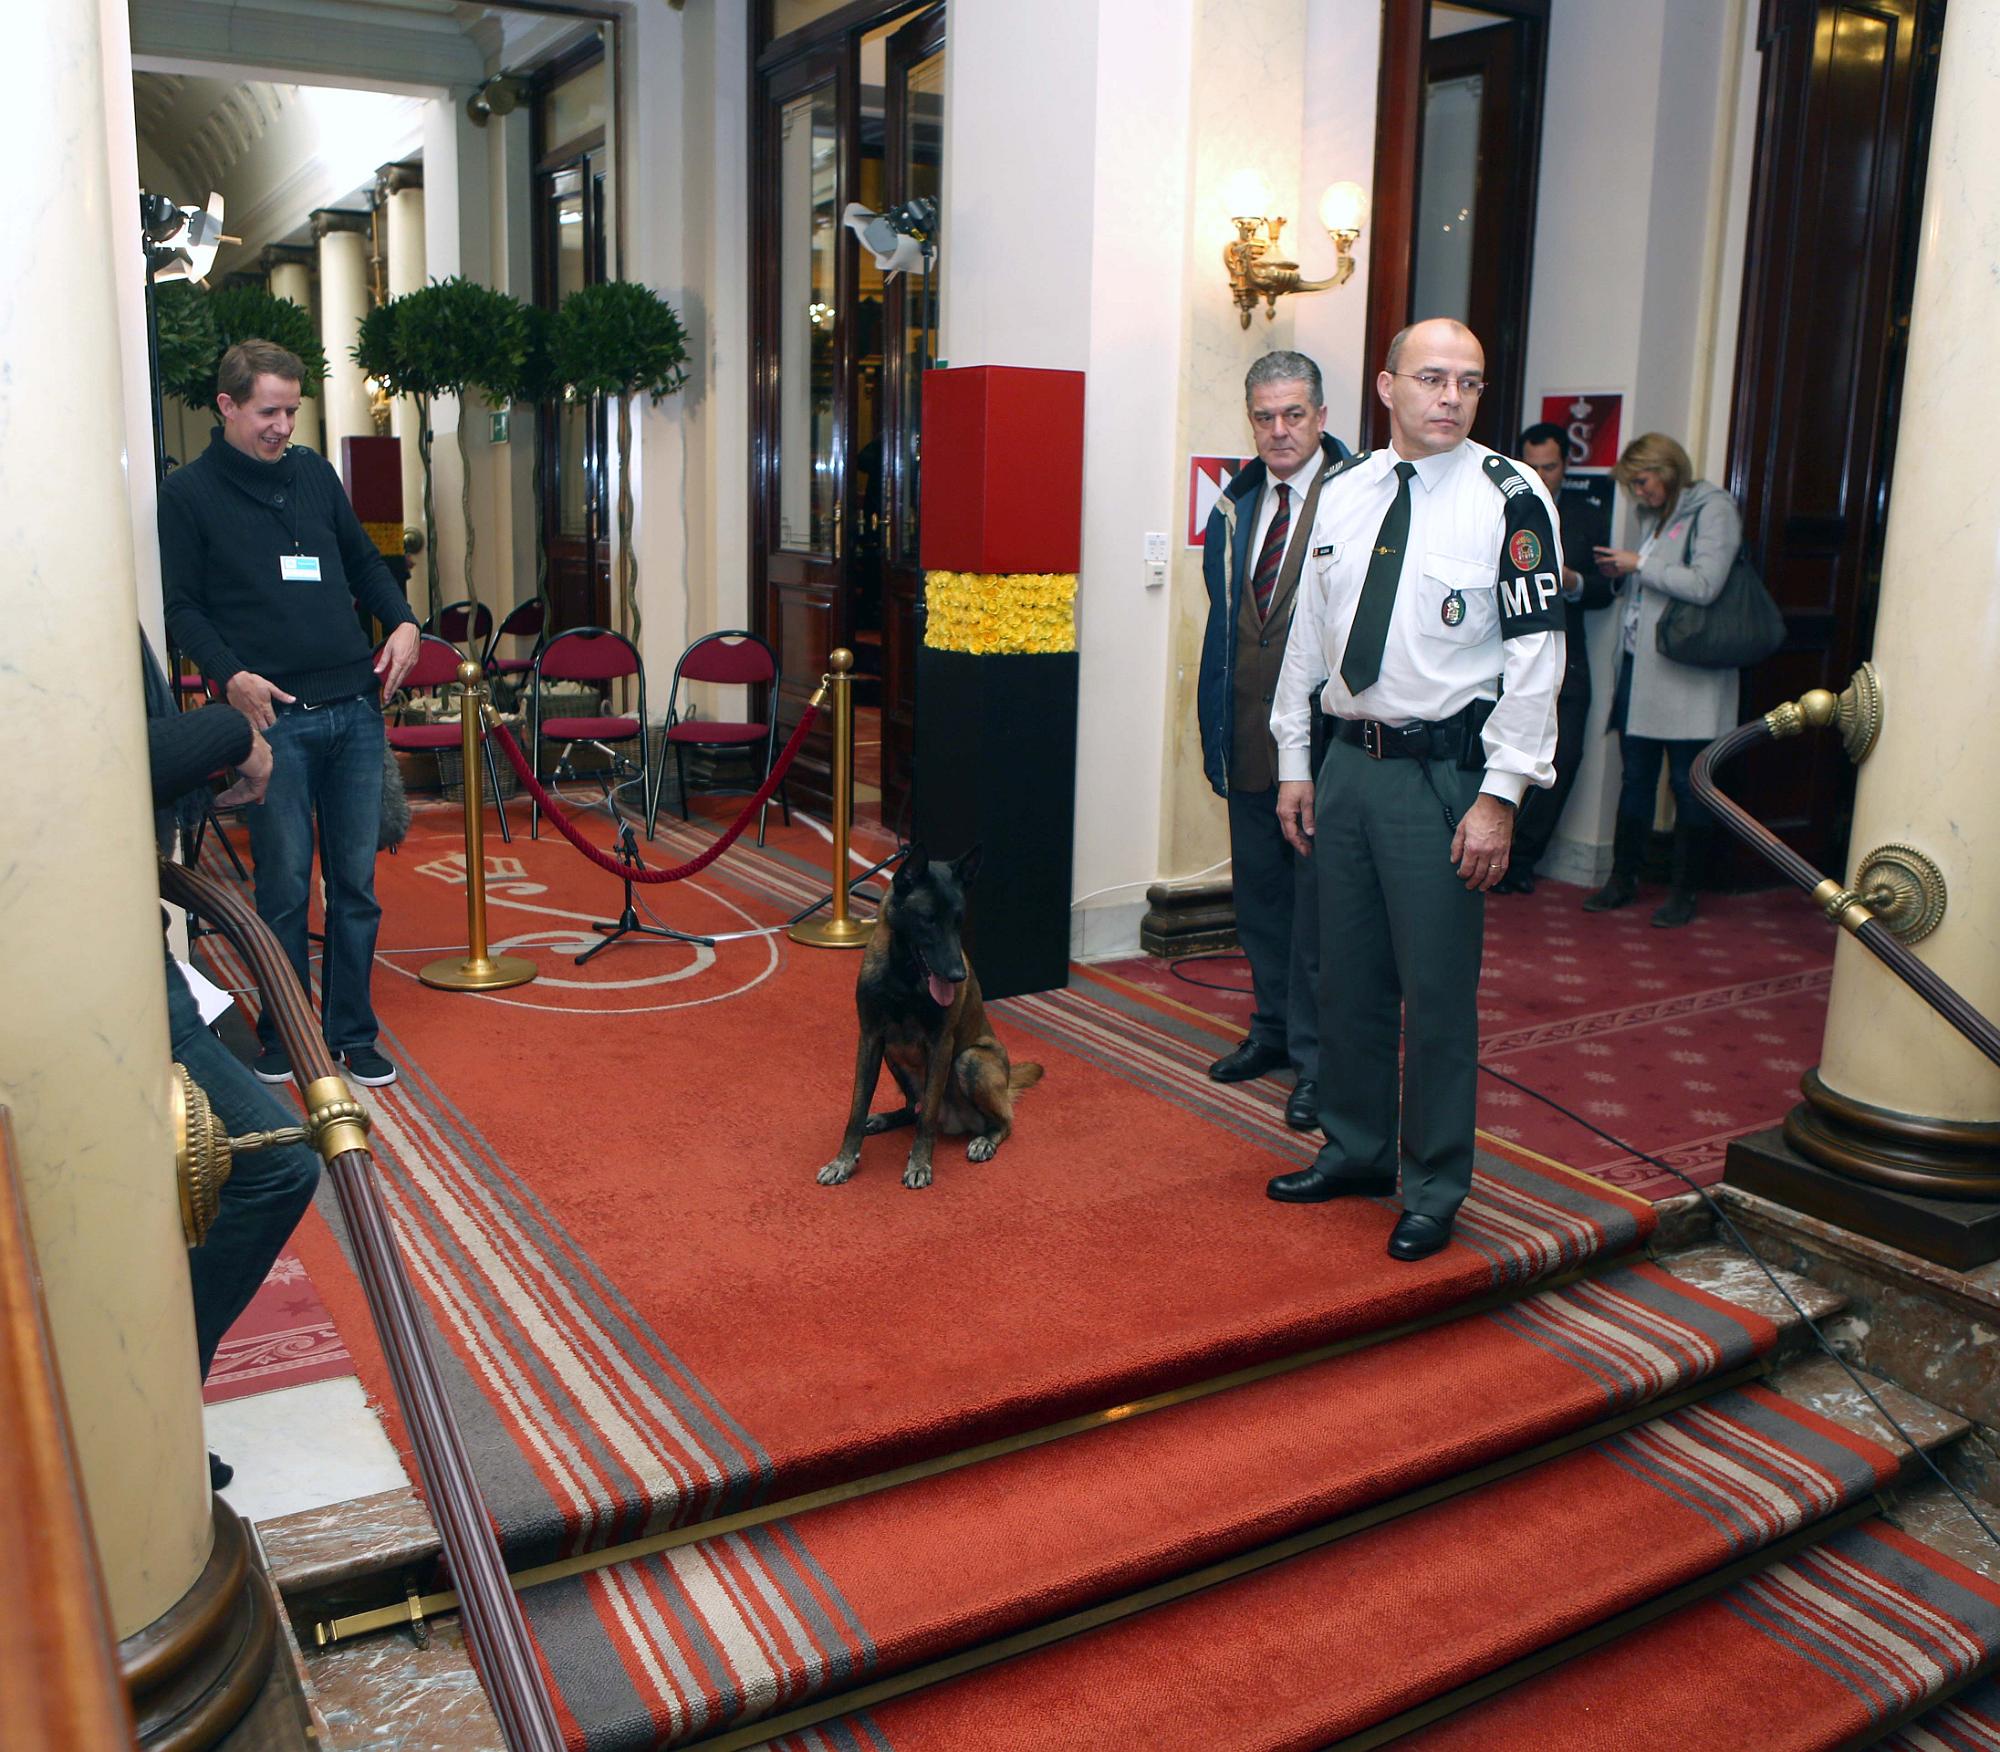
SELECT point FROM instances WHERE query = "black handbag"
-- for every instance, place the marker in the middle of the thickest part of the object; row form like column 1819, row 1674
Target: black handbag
column 1740, row 627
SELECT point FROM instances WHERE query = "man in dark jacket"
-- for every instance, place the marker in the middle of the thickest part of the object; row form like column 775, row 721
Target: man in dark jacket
column 1584, row 526
column 1252, row 552
column 264, row 563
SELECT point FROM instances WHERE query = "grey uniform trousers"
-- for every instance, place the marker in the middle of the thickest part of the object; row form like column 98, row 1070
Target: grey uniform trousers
column 1400, row 937
column 1277, row 924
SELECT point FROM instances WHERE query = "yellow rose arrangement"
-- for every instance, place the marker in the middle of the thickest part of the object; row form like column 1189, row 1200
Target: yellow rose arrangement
column 1003, row 612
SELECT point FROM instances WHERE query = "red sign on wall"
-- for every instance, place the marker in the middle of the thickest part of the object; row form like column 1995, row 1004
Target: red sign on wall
column 1207, row 477
column 1591, row 418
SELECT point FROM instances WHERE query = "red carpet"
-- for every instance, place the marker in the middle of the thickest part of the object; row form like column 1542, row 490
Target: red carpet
column 1674, row 1041
column 953, row 1560
column 285, row 1338
column 1970, row 1722
column 1320, row 1647
column 1844, row 1639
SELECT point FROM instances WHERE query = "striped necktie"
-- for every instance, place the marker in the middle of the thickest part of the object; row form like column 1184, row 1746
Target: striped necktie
column 1272, row 555
column 1361, row 661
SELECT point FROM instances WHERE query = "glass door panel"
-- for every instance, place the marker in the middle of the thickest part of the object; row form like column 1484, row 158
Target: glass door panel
column 808, row 354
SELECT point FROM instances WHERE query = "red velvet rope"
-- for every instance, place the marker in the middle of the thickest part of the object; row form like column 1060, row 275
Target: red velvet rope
column 680, row 872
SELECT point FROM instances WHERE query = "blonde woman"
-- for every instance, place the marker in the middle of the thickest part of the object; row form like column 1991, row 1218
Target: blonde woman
column 1689, row 533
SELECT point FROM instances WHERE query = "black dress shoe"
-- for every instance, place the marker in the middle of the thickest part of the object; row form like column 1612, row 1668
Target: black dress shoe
column 220, row 1472
column 1516, row 881
column 1252, row 1059
column 1416, row 1237
column 1315, row 1185
column 1302, row 1106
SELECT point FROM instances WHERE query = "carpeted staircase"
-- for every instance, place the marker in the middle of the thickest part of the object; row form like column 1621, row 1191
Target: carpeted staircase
column 1622, row 1504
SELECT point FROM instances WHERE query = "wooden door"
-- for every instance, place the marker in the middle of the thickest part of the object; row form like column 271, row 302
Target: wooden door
column 1457, row 163
column 572, row 434
column 801, row 384
column 1843, row 122
column 915, row 171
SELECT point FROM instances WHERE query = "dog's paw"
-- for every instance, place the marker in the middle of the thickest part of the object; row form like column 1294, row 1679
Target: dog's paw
column 917, row 1175
column 837, row 1172
column 982, row 1149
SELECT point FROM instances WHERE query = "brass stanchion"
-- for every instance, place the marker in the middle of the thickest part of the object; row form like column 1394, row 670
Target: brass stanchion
column 839, row 931
column 478, row 971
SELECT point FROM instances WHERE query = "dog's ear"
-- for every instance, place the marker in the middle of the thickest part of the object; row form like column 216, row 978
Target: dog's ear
column 967, row 867
column 915, row 862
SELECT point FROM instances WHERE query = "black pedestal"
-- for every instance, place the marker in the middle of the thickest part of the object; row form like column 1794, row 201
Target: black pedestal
column 1949, row 1231
column 995, row 765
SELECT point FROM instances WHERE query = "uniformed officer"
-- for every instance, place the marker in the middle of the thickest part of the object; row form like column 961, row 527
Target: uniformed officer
column 1432, row 599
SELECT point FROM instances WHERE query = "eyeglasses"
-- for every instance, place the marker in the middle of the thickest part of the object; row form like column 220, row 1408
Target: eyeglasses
column 1434, row 382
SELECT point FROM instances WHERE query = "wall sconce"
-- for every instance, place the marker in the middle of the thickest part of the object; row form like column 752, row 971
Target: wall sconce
column 1253, row 273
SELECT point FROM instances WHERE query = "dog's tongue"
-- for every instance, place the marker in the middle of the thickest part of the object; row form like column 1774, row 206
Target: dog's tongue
column 942, row 991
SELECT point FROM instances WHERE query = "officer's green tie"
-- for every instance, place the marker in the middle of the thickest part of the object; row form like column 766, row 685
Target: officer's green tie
column 1361, row 662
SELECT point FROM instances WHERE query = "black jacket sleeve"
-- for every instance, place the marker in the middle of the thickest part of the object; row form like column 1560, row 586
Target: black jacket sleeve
column 183, row 749
column 184, row 574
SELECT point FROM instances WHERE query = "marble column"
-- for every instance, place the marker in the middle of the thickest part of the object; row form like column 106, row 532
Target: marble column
column 1900, row 1097
column 399, row 191
column 343, row 302
column 289, row 273
column 83, row 1035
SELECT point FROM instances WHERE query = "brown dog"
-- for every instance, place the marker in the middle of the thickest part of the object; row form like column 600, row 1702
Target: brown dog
column 920, row 1009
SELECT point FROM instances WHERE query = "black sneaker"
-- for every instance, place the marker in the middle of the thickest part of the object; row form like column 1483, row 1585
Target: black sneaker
column 220, row 1472
column 368, row 1067
column 273, row 1065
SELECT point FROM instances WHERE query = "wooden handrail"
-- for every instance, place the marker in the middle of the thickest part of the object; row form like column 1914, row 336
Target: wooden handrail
column 495, row 1630
column 59, row 1679
column 1842, row 907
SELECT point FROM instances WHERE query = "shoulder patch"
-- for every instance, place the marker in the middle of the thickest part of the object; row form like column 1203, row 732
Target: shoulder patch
column 1529, row 584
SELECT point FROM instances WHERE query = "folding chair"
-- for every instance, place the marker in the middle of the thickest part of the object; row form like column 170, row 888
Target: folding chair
column 457, row 622
column 734, row 658
column 527, row 620
column 437, row 667
column 597, row 655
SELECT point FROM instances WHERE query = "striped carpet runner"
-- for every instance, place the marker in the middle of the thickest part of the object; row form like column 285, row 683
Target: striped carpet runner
column 1318, row 1649
column 704, row 1637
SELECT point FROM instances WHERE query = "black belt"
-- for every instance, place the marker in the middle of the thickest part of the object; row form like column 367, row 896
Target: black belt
column 1453, row 739
column 319, row 705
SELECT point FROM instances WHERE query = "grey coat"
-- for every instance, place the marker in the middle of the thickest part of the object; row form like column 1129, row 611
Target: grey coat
column 1691, row 560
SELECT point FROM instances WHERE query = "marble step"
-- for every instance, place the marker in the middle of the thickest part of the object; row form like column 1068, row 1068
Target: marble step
column 1723, row 1270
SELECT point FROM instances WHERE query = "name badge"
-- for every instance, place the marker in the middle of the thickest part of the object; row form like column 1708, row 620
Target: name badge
column 299, row 568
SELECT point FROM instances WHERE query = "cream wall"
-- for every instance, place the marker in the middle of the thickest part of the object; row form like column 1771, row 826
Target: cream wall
column 1638, row 264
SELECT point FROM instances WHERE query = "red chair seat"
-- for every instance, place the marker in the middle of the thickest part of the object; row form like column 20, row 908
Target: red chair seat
column 711, row 731
column 589, row 729
column 417, row 738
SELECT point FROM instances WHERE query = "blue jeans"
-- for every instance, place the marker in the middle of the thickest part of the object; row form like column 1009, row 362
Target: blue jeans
column 327, row 770
column 266, row 1192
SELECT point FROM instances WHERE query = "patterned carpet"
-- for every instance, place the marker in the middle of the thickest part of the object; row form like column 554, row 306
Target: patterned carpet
column 1673, row 1041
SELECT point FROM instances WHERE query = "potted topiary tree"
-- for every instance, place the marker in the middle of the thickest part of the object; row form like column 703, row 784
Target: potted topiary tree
column 534, row 385
column 445, row 339
column 249, row 313
column 621, row 339
column 187, row 345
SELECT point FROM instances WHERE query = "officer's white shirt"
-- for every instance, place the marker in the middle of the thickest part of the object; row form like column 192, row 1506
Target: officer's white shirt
column 1431, row 667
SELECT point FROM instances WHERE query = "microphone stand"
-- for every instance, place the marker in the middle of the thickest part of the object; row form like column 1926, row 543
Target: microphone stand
column 628, row 924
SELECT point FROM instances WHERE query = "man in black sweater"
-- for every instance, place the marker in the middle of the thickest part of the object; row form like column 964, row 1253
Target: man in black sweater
column 268, row 1191
column 264, row 562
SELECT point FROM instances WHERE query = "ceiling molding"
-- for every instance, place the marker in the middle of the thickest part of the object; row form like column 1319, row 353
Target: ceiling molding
column 310, row 40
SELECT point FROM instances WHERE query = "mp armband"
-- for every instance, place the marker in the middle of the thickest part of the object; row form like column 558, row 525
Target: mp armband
column 1528, row 578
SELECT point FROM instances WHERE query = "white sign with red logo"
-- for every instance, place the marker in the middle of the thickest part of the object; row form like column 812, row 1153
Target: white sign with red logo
column 1208, row 477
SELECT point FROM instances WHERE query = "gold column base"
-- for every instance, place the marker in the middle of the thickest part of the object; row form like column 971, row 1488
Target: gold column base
column 833, row 933
column 1934, row 1158
column 487, row 973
